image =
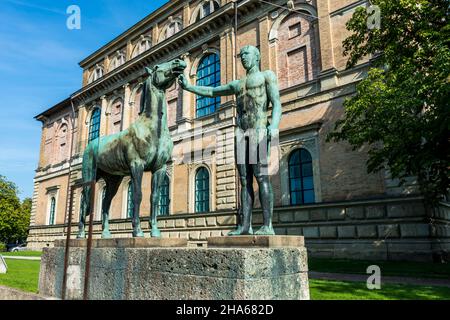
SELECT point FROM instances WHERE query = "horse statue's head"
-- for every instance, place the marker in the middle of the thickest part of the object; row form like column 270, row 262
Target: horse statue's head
column 160, row 77
column 164, row 75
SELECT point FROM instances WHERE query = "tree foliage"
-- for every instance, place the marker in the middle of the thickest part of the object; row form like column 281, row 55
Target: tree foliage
column 401, row 110
column 14, row 215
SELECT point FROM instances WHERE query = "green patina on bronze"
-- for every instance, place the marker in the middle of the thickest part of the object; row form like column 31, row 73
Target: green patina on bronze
column 145, row 146
column 253, row 94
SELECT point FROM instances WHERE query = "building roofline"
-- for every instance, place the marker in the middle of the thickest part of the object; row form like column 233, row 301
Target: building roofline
column 59, row 106
column 92, row 57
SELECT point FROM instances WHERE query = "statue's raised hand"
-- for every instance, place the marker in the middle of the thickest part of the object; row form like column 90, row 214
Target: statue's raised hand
column 183, row 81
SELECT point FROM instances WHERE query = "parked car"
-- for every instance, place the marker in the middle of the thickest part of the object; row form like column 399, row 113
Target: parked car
column 20, row 247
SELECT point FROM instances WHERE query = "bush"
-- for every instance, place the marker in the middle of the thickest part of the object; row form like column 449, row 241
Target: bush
column 2, row 247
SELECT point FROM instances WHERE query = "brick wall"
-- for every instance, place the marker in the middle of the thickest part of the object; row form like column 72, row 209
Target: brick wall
column 297, row 51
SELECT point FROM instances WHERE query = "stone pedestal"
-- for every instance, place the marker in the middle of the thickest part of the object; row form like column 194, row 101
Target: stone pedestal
column 257, row 242
column 234, row 268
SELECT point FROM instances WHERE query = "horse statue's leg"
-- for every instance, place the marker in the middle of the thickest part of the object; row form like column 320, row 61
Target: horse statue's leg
column 85, row 208
column 89, row 171
column 112, row 185
column 137, row 171
column 157, row 179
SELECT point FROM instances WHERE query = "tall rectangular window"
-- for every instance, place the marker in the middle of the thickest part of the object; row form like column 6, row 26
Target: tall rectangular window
column 301, row 184
column 208, row 74
column 52, row 211
column 130, row 202
column 164, row 198
column 202, row 191
column 94, row 126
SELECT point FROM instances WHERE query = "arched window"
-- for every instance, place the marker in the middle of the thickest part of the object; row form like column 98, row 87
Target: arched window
column 81, row 203
column 144, row 44
column 301, row 185
column 96, row 74
column 208, row 74
column 164, row 197
column 208, row 7
column 117, row 61
column 130, row 202
column 202, row 190
column 51, row 220
column 174, row 27
column 94, row 126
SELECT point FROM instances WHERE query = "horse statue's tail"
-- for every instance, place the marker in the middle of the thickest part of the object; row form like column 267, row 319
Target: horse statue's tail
column 89, row 172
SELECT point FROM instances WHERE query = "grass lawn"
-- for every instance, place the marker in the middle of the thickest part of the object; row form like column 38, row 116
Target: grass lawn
column 388, row 268
column 22, row 274
column 22, row 254
column 340, row 290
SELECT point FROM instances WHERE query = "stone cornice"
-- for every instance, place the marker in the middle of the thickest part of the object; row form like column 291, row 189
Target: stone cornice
column 153, row 18
column 55, row 171
column 310, row 127
column 186, row 40
column 348, row 7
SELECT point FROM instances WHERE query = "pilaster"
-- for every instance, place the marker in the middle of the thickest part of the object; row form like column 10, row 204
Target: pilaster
column 264, row 42
column 326, row 41
column 126, row 109
column 186, row 14
column 42, row 148
column 227, row 60
column 82, row 129
column 103, row 118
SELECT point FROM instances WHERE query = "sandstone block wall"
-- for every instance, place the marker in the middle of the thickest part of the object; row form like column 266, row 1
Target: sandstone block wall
column 393, row 229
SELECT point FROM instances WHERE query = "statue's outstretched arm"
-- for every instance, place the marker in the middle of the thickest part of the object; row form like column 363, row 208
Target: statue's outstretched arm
column 225, row 90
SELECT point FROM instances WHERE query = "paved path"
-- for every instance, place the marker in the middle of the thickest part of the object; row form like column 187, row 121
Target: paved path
column 22, row 258
column 384, row 279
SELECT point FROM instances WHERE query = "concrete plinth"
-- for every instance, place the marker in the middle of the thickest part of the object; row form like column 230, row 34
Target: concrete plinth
column 231, row 271
column 257, row 241
column 125, row 243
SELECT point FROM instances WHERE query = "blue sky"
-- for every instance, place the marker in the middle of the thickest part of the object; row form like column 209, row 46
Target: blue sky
column 39, row 67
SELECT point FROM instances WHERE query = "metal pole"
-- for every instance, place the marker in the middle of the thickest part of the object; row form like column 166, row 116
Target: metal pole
column 69, row 195
column 236, row 173
column 89, row 244
column 66, row 253
column 235, row 39
column 71, row 151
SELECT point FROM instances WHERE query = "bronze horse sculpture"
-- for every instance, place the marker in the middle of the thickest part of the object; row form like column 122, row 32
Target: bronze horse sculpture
column 145, row 146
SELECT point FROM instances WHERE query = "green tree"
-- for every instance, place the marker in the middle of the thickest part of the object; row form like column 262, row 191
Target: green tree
column 401, row 109
column 14, row 216
column 24, row 221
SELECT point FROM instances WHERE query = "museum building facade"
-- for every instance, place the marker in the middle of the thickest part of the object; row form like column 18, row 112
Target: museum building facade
column 322, row 189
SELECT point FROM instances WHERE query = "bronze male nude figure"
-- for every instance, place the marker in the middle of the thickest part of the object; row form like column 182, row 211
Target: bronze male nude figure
column 253, row 95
